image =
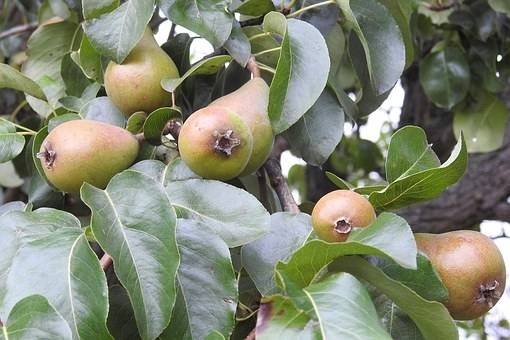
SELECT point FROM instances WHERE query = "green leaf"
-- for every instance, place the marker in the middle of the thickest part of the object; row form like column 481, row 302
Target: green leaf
column 114, row 34
column 207, row 281
column 151, row 168
column 103, row 110
column 424, row 185
column 238, row 45
column 207, row 18
column 36, row 147
column 49, row 247
column 254, row 8
column 134, row 223
column 483, row 123
column 75, row 104
column 315, row 136
column 56, row 121
column 389, row 236
column 432, row 318
column 215, row 335
column 339, row 182
column 235, row 215
column 34, row 318
column 445, row 76
column 155, row 123
column 424, row 280
column 177, row 170
column 121, row 316
column 12, row 206
column 409, row 153
column 263, row 45
column 203, row 67
column 74, row 79
column 46, row 48
column 357, row 317
column 381, row 38
column 91, row 62
column 500, row 6
column 301, row 73
column 96, row 8
column 12, row 78
column 288, row 233
column 279, row 318
column 11, row 143
column 135, row 122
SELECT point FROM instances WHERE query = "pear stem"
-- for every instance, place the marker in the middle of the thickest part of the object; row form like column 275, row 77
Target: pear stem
column 106, row 261
column 267, row 51
column 266, row 68
column 304, row 9
column 253, row 67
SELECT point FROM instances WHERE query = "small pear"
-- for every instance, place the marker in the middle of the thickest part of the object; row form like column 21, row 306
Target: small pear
column 81, row 151
column 250, row 102
column 338, row 212
column 215, row 143
column 471, row 268
column 135, row 85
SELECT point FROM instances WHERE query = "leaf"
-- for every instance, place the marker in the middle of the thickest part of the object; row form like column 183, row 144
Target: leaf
column 151, row 168
column 500, row 6
column 48, row 246
column 238, row 45
column 483, row 123
column 134, row 223
column 315, row 136
column 56, row 121
column 12, row 78
column 279, row 318
column 74, row 79
column 34, row 318
column 424, row 185
column 301, row 73
column 381, row 39
column 207, row 281
column 121, row 316
column 254, row 8
column 96, row 8
column 339, row 182
column 12, row 206
column 356, row 319
column 263, row 45
column 103, row 110
column 207, row 18
column 11, row 143
column 91, row 62
column 155, row 123
column 75, row 104
column 288, row 233
column 432, row 318
column 177, row 170
column 204, row 67
column 445, row 76
column 409, row 153
column 114, row 34
column 389, row 236
column 46, row 48
column 396, row 322
column 235, row 215
column 135, row 122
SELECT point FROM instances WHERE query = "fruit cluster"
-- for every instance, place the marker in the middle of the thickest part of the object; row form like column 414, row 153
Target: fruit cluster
column 469, row 264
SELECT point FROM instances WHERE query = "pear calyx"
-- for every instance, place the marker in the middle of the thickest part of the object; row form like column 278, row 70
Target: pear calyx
column 225, row 142
column 488, row 293
column 47, row 155
column 343, row 226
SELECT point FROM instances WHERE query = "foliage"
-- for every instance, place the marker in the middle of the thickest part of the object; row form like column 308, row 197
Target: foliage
column 181, row 245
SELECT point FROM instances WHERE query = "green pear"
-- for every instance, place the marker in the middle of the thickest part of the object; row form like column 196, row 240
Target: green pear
column 215, row 143
column 250, row 102
column 81, row 151
column 135, row 85
column 471, row 268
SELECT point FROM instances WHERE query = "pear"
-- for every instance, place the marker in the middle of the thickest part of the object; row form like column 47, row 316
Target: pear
column 215, row 143
column 250, row 102
column 135, row 85
column 338, row 212
column 471, row 268
column 81, row 151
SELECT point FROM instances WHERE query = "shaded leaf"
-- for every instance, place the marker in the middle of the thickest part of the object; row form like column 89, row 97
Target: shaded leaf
column 11, row 143
column 13, row 79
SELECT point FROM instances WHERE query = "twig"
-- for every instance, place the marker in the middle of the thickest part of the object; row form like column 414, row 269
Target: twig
column 106, row 261
column 253, row 67
column 304, row 9
column 18, row 30
column 261, row 179
column 172, row 31
column 279, row 184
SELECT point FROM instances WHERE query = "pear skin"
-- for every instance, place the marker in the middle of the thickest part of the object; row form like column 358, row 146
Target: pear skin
column 215, row 143
column 338, row 212
column 81, row 151
column 471, row 268
column 135, row 85
column 250, row 102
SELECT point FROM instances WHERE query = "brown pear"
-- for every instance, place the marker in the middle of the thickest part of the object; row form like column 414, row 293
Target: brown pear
column 338, row 212
column 250, row 102
column 81, row 151
column 471, row 268
column 135, row 85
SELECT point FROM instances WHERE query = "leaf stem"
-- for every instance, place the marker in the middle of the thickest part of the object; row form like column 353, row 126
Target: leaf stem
column 266, row 68
column 267, row 51
column 260, row 35
column 304, row 9
column 18, row 109
column 19, row 126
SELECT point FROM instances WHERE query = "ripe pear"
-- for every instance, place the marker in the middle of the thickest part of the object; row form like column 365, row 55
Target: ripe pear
column 81, row 151
column 471, row 268
column 338, row 212
column 250, row 102
column 215, row 143
column 135, row 85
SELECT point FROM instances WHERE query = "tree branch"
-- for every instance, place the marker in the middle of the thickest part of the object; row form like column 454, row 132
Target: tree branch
column 18, row 30
column 106, row 261
column 279, row 184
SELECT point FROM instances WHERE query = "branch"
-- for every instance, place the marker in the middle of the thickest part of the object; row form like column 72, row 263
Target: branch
column 18, row 30
column 251, row 336
column 106, row 261
column 279, row 184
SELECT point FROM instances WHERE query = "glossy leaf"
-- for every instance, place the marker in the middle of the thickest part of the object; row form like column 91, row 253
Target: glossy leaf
column 135, row 122
column 155, row 123
column 288, row 233
column 138, row 231
column 254, row 8
column 339, row 182
column 301, row 73
column 11, row 143
column 91, row 62
column 151, row 168
column 48, row 246
column 483, row 123
column 177, row 170
column 238, row 45
column 12, row 78
column 235, row 215
column 96, row 8
column 103, row 110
